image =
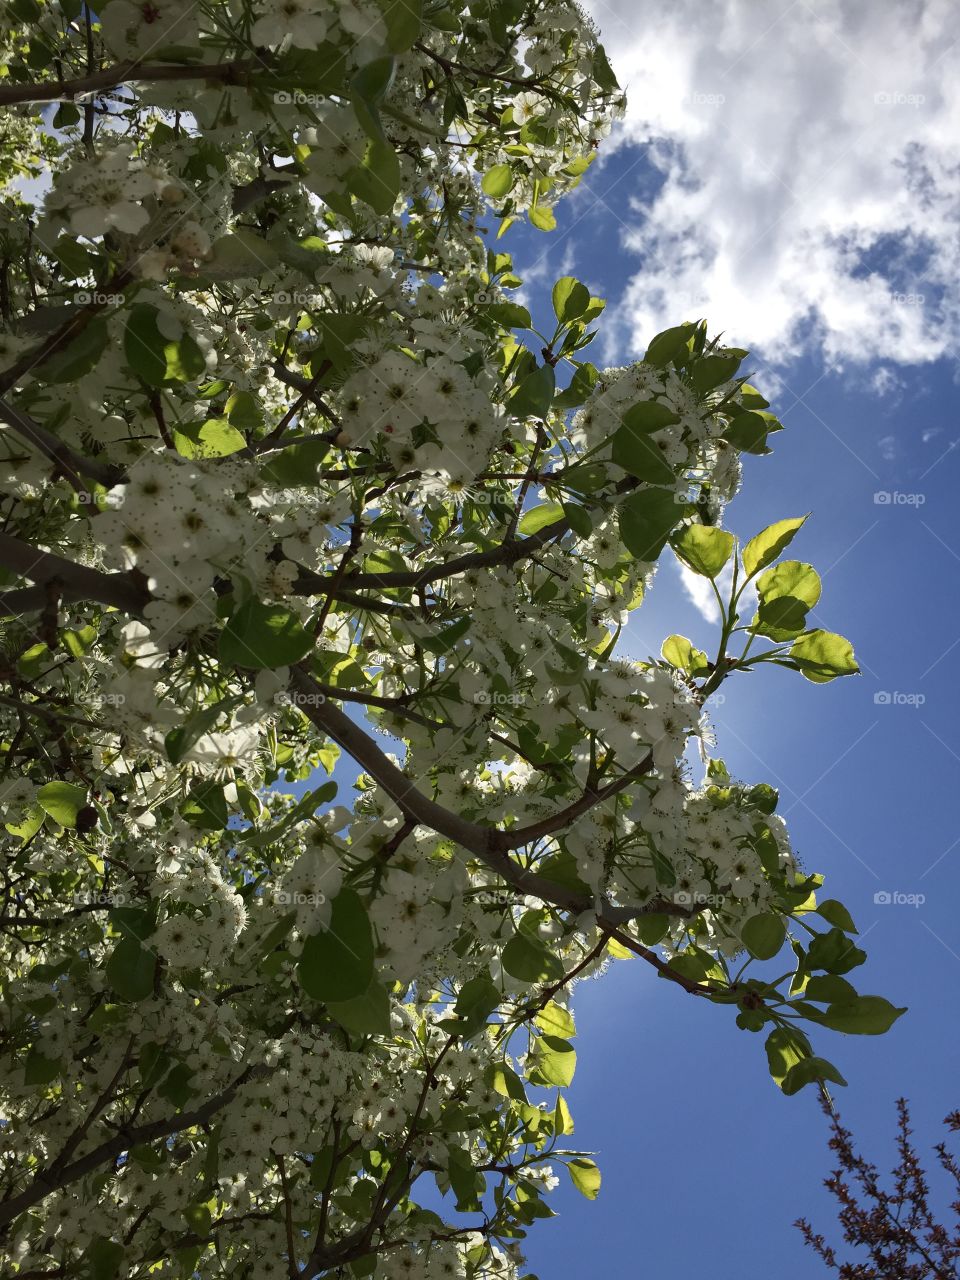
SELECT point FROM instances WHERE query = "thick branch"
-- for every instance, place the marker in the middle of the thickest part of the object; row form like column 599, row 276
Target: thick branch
column 123, row 73
column 308, row 583
column 489, row 844
column 71, row 463
column 76, row 581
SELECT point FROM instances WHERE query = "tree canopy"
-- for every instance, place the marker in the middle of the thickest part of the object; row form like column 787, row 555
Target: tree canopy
column 290, row 483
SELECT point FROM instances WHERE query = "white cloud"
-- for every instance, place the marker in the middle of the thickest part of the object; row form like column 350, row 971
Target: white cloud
column 701, row 594
column 811, row 183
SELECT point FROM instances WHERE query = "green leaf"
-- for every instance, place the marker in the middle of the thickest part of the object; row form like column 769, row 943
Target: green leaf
column 241, row 255
column 443, row 641
column 179, row 741
column 811, row 1070
column 748, row 431
column 476, row 1000
column 510, row 314
column 78, row 357
column 215, row 438
column 366, row 1014
column 529, row 960
column 538, row 518
column 264, row 635
column 581, row 384
column 372, row 81
column 828, row 988
column 834, row 952
column 640, row 457
column 542, row 217
column 556, row 1061
column 823, row 656
column 506, row 1082
column 206, row 806
column 155, row 358
column 703, row 548
column 338, row 963
column 710, row 371
column 786, row 592
column 62, row 801
column 649, row 415
column 769, row 544
column 785, row 1048
column 131, row 970
column 861, row 1016
column 555, row 1020
column 297, row 465
column 403, row 20
column 764, row 935
column 585, row 1176
column 244, row 411
column 836, row 913
column 103, row 1259
column 578, row 519
column 496, row 182
column 791, row 578
column 376, row 180
column 669, row 345
column 570, row 299
column 39, row 1069
column 646, row 520
column 534, row 396
column 680, row 653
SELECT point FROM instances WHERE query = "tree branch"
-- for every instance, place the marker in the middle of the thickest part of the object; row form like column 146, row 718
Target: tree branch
column 124, row 72
column 71, row 463
column 76, row 581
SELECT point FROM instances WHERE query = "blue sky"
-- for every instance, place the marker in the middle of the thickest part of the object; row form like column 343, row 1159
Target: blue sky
column 702, row 1157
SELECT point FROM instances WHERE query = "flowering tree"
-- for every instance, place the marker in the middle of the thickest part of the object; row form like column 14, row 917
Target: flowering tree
column 286, row 473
